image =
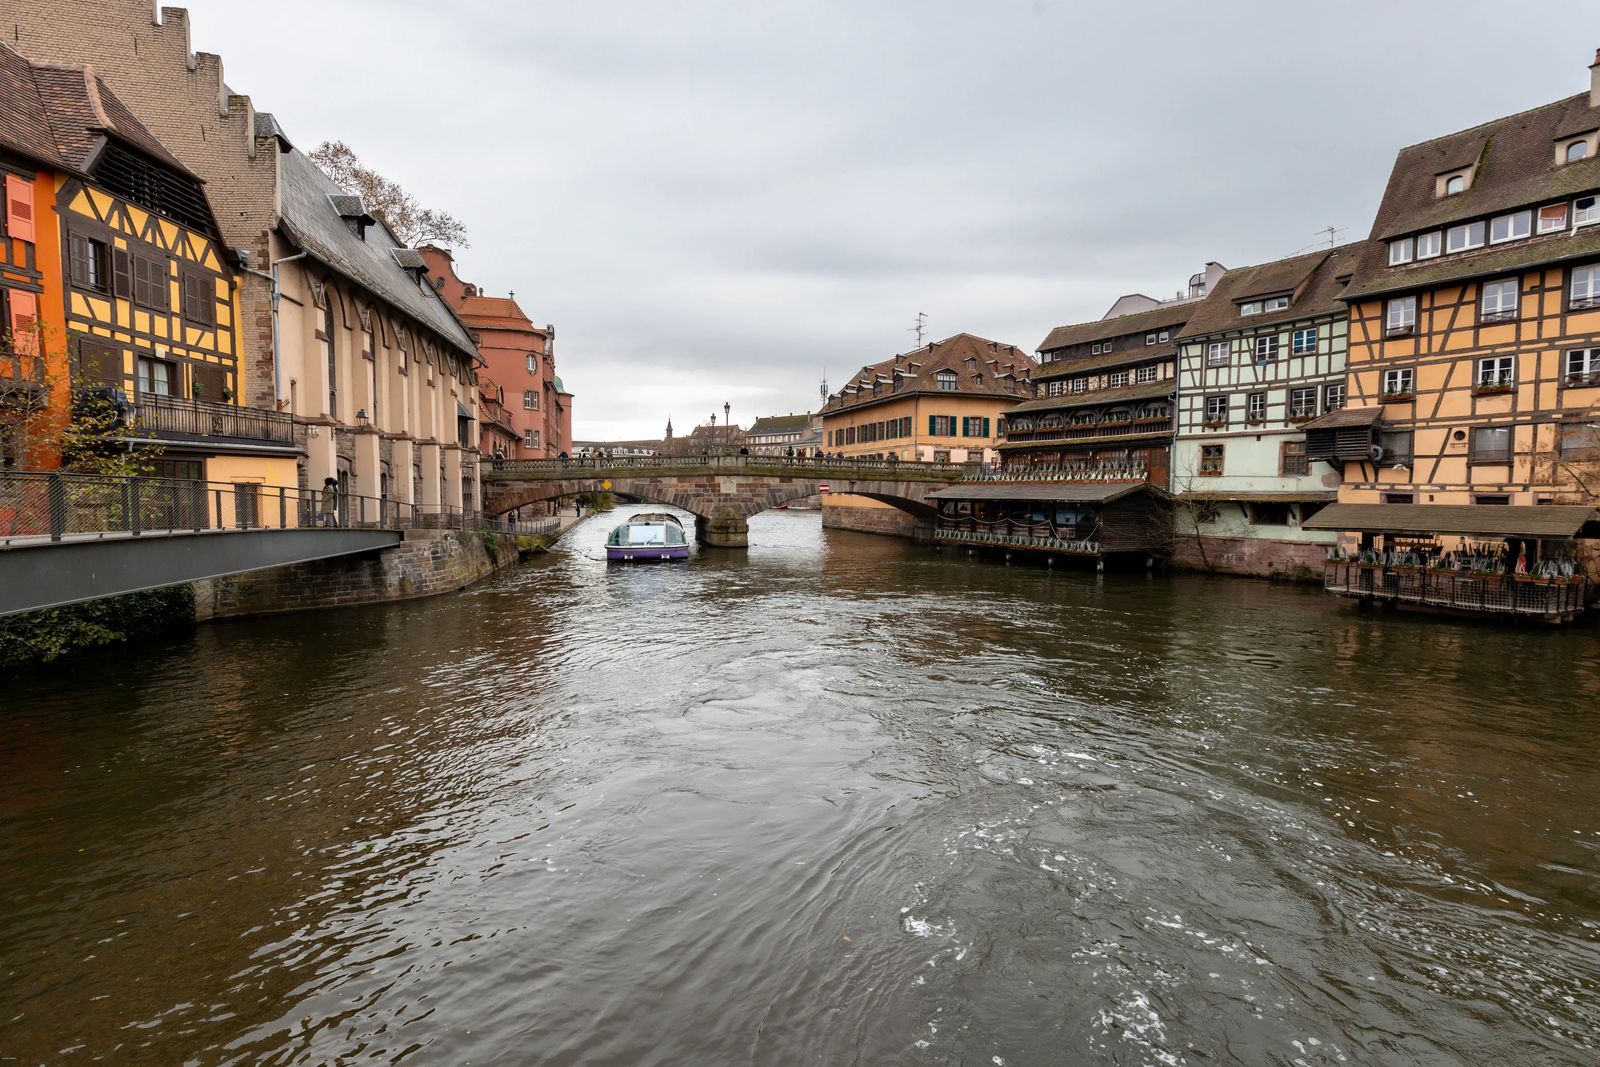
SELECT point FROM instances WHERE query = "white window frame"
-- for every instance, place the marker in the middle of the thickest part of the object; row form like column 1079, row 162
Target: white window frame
column 1585, row 216
column 1303, row 402
column 1576, row 151
column 1216, row 410
column 947, row 381
column 1583, row 287
column 1079, row 385
column 1471, row 233
column 1266, row 348
column 1399, row 381
column 533, row 363
column 1275, row 303
column 1217, row 354
column 1250, row 307
column 1145, row 375
column 1430, row 245
column 1053, row 388
column 1163, row 336
column 1496, row 310
column 1116, row 379
column 1255, row 407
column 1303, row 342
column 1497, row 371
column 1150, row 338
column 1549, row 221
column 1582, row 362
column 1405, row 321
column 1333, row 397
column 1507, row 228
column 1455, row 185
column 1401, row 251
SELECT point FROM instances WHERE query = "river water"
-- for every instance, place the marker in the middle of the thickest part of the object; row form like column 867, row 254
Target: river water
column 839, row 800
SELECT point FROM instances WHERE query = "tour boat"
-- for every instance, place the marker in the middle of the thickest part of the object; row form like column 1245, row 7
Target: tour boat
column 648, row 536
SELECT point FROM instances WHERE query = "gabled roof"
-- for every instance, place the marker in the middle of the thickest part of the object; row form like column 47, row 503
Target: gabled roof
column 1096, row 397
column 1000, row 370
column 780, row 424
column 312, row 222
column 1313, row 282
column 497, row 312
column 1167, row 317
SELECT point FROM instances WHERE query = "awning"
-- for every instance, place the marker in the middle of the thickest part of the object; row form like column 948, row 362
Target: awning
column 462, row 412
column 1484, row 520
column 1327, row 496
column 1043, row 492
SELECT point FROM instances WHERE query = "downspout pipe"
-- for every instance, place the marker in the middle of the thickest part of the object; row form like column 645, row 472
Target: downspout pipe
column 277, row 382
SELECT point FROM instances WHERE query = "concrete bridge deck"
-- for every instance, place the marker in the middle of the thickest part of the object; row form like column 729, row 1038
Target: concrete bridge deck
column 722, row 492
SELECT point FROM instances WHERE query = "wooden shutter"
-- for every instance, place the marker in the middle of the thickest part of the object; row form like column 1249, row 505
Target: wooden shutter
column 19, row 208
column 986, row 425
column 211, row 379
column 98, row 364
column 24, row 323
column 121, row 273
column 932, row 425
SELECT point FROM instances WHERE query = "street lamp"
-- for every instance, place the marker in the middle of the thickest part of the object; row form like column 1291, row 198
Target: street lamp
column 727, row 426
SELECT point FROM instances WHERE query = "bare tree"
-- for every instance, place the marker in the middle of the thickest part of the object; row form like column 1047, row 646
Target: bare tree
column 411, row 223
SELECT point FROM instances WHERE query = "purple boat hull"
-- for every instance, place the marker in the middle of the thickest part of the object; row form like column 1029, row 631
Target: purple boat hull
column 645, row 553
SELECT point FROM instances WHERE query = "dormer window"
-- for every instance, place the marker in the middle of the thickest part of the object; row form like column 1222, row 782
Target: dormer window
column 1429, row 245
column 1467, row 235
column 353, row 212
column 1585, row 211
column 1577, row 150
column 1510, row 227
column 1250, row 307
column 1454, row 184
column 1552, row 218
column 946, row 380
column 1401, row 251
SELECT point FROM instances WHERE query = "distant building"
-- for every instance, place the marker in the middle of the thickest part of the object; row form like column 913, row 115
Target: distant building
column 708, row 438
column 942, row 402
column 775, row 435
column 617, row 449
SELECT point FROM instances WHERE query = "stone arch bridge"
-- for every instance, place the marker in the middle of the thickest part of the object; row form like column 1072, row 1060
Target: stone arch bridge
column 722, row 492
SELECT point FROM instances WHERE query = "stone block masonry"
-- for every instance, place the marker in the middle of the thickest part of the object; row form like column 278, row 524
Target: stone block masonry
column 426, row 563
column 1257, row 557
column 890, row 521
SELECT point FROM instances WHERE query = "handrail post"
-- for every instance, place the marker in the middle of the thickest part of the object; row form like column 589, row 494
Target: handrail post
column 218, row 495
column 56, row 496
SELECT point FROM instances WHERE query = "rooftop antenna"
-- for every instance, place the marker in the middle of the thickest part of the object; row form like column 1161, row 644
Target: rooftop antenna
column 918, row 328
column 823, row 391
column 1331, row 230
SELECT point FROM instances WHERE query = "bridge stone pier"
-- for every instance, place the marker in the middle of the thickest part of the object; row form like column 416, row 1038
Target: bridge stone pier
column 721, row 492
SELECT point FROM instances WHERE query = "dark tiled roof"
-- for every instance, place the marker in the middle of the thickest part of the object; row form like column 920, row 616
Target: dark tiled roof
column 1062, row 368
column 780, row 424
column 1068, row 492
column 267, row 126
column 1078, row 443
column 309, row 217
column 1374, row 277
column 1516, row 167
column 1343, row 417
column 1277, row 495
column 1502, row 520
column 23, row 126
column 918, row 368
column 1313, row 282
column 81, row 109
column 408, row 258
column 1169, row 317
column 1097, row 397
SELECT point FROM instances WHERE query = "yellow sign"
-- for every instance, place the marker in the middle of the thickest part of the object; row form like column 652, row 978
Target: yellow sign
column 606, row 485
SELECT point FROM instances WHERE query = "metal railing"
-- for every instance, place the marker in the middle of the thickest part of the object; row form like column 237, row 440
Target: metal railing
column 1091, row 431
column 994, row 539
column 785, row 465
column 1488, row 594
column 38, row 507
column 1101, row 472
column 169, row 415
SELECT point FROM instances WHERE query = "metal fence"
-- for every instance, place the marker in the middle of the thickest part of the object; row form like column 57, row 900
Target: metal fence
column 1488, row 594
column 754, row 464
column 167, row 415
column 1010, row 539
column 36, row 506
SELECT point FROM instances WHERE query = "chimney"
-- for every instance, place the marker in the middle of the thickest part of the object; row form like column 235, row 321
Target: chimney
column 1594, row 80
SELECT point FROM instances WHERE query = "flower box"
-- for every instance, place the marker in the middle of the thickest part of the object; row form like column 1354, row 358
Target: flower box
column 1490, row 390
column 1397, row 398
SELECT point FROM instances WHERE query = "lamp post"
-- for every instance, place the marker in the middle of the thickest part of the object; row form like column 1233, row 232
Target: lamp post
column 727, row 427
column 712, row 444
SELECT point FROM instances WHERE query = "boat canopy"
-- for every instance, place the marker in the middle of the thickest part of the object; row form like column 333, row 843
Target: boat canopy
column 637, row 534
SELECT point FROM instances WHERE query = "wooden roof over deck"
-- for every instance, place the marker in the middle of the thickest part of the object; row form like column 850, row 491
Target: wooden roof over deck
column 1480, row 520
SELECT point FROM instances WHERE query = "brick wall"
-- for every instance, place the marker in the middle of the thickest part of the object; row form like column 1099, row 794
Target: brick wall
column 425, row 564
column 181, row 96
column 1257, row 557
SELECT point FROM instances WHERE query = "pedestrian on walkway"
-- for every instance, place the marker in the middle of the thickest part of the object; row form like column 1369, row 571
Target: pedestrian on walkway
column 328, row 513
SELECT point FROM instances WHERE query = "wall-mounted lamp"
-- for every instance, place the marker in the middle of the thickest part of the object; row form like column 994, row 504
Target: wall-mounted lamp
column 361, row 417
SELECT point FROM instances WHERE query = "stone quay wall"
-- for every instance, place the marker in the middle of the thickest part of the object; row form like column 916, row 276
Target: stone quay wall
column 1256, row 557
column 879, row 520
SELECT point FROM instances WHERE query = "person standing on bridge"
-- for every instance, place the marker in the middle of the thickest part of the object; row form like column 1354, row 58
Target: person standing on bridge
column 328, row 513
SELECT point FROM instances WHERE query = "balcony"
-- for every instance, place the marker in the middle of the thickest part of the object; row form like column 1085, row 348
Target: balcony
column 1020, row 539
column 168, row 418
column 1091, row 431
column 1484, row 594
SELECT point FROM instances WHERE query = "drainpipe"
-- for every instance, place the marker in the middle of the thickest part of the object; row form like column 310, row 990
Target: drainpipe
column 277, row 384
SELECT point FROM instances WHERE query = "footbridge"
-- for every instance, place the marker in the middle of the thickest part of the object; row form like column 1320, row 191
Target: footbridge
column 721, row 492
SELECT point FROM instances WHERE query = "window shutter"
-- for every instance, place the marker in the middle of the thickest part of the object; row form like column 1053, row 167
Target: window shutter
column 121, row 273
column 23, row 324
column 19, row 208
column 986, row 425
column 933, row 425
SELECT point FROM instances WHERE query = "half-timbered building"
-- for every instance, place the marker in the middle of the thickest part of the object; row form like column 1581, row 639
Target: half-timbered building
column 1260, row 357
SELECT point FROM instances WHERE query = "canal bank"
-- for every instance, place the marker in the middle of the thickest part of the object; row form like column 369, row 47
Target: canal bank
column 834, row 799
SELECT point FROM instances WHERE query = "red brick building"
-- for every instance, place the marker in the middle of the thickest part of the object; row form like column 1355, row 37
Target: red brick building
column 521, row 374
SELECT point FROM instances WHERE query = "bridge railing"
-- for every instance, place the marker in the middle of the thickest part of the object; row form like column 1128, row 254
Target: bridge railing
column 54, row 506
column 755, row 464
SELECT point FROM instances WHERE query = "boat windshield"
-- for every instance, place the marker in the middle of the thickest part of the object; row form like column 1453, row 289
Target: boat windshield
column 646, row 534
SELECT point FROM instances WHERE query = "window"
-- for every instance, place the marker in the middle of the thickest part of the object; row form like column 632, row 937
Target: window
column 1578, row 441
column 1585, row 209
column 199, row 299
column 946, row 380
column 1584, row 289
column 1250, row 307
column 1332, row 397
column 1292, row 461
column 942, row 425
column 88, row 260
column 1053, row 388
column 1116, row 379
column 1303, row 341
column 1164, row 335
column 1397, row 382
column 1399, row 498
column 1255, row 407
column 1401, row 251
column 974, row 426
column 1303, row 402
column 1461, row 238
column 533, row 363
column 1276, row 303
column 1266, row 348
column 1454, row 184
column 1492, row 499
column 1510, row 227
column 1157, row 337
column 1497, row 301
column 1496, row 371
column 1428, row 244
column 1490, row 444
column 1080, row 385
column 1583, row 362
column 333, row 363
column 1577, row 150
column 1216, row 411
column 530, row 400
column 530, row 438
column 1211, row 460
column 1396, row 448
column 149, row 282
column 1401, row 316
column 1217, row 354
column 1268, row 513
column 1146, row 374
column 157, row 377
column 1552, row 218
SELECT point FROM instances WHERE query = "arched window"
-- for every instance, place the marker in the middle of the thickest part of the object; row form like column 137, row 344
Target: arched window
column 1454, row 184
column 1050, row 422
column 1577, row 150
column 1115, row 415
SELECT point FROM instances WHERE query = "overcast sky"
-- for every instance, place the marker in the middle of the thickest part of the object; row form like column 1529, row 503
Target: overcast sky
column 721, row 202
